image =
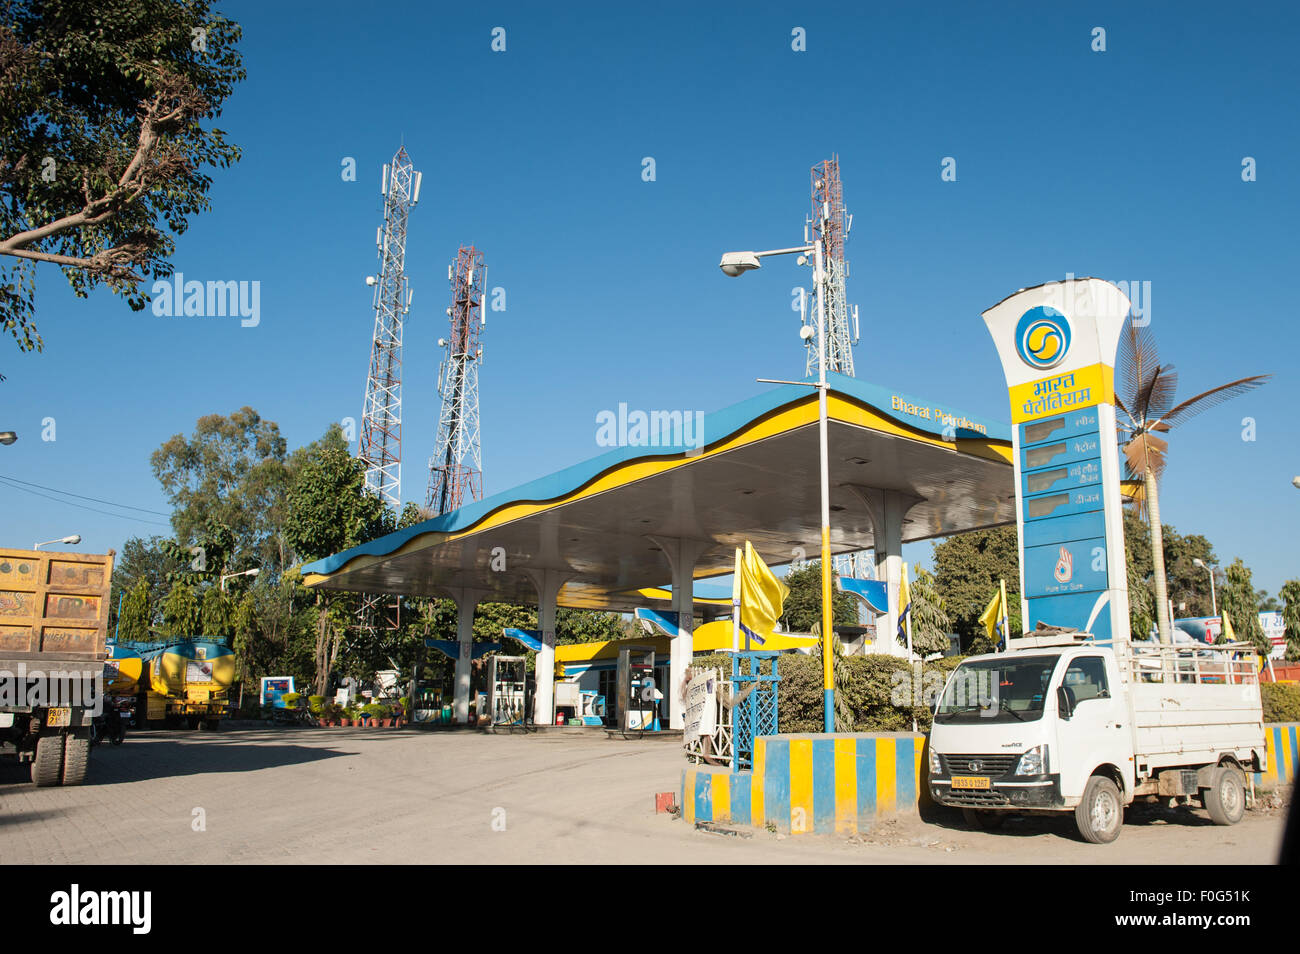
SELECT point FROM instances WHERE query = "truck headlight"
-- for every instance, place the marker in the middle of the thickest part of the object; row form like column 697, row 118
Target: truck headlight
column 1033, row 762
column 936, row 765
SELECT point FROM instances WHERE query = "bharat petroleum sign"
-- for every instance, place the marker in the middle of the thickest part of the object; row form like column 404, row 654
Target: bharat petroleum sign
column 1057, row 343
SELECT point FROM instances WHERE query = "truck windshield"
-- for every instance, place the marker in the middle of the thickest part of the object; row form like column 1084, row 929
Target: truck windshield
column 997, row 690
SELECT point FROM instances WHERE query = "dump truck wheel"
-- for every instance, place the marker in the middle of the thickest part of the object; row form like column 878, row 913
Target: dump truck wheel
column 1100, row 815
column 47, row 767
column 76, row 760
column 1225, row 799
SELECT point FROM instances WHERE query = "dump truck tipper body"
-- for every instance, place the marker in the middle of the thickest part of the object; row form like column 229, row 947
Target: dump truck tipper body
column 53, row 638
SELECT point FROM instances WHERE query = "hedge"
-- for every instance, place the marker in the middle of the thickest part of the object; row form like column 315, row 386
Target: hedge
column 1281, row 701
column 871, row 686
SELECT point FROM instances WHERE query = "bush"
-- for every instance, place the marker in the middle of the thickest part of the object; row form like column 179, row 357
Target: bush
column 290, row 699
column 315, row 703
column 1281, row 701
column 876, row 688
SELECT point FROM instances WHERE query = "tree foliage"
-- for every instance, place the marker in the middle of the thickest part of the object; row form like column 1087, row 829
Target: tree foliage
column 137, row 614
column 1290, row 594
column 1237, row 602
column 230, row 473
column 105, row 139
column 930, row 623
column 181, row 615
column 967, row 570
column 803, row 607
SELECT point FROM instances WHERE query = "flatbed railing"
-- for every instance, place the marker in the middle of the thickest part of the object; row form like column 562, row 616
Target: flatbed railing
column 1233, row 664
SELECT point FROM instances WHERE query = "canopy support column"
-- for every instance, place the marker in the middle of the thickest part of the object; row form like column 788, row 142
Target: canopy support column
column 682, row 554
column 888, row 509
column 548, row 583
column 466, row 602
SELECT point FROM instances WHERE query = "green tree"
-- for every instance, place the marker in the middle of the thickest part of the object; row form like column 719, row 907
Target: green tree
column 105, row 139
column 967, row 571
column 217, row 614
column 1290, row 594
column 803, row 607
column 181, row 612
column 929, row 616
column 145, row 561
column 1145, row 399
column 587, row 626
column 137, row 614
column 229, row 473
column 1238, row 603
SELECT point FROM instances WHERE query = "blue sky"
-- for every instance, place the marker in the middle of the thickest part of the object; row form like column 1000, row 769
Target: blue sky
column 1124, row 164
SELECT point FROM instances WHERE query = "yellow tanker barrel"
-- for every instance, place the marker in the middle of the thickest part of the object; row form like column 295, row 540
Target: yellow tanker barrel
column 122, row 670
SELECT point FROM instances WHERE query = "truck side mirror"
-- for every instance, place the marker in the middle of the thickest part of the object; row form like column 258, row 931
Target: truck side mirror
column 1063, row 702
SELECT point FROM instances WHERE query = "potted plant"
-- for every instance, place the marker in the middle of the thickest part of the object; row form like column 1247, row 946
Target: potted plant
column 371, row 712
column 347, row 716
column 316, row 704
column 385, row 713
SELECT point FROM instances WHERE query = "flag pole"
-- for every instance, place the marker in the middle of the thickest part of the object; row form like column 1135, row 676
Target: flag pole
column 1006, row 617
column 735, row 608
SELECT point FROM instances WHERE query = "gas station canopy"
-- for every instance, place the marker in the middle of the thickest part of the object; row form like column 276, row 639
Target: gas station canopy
column 750, row 471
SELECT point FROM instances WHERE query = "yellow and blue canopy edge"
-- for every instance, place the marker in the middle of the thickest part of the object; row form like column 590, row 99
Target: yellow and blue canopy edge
column 849, row 400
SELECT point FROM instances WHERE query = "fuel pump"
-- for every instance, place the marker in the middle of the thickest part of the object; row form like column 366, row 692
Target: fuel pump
column 639, row 697
column 507, row 683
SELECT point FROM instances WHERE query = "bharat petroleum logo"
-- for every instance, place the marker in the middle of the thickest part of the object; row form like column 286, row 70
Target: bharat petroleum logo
column 1064, row 571
column 1042, row 337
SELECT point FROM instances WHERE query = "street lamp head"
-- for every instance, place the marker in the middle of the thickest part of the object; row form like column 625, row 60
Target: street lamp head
column 8, row 437
column 1197, row 561
column 1295, row 481
column 254, row 571
column 72, row 540
column 737, row 263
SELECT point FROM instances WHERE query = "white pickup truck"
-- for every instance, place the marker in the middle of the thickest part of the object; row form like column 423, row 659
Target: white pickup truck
column 1062, row 723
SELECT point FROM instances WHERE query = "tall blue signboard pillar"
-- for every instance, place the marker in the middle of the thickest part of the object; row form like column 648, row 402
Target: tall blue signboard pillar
column 1057, row 343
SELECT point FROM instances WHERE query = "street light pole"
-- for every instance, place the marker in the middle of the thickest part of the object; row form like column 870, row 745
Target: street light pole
column 253, row 572
column 1214, row 603
column 828, row 629
column 737, row 263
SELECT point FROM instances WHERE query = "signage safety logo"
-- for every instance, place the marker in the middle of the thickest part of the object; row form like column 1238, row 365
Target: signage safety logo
column 1042, row 337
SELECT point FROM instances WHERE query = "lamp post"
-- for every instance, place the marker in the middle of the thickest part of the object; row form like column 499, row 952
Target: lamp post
column 1214, row 603
column 253, row 572
column 72, row 540
column 736, row 264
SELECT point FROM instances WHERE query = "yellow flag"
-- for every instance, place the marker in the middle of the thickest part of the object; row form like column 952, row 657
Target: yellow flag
column 1228, row 634
column 904, row 604
column 992, row 618
column 762, row 596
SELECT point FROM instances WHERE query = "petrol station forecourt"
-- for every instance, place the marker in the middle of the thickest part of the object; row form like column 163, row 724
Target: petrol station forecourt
column 591, row 536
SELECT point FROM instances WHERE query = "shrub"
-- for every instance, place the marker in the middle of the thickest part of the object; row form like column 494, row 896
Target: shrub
column 1281, row 701
column 290, row 699
column 872, row 686
column 316, row 704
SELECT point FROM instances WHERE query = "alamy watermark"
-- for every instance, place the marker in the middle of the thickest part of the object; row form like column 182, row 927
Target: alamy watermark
column 176, row 298
column 675, row 429
column 41, row 689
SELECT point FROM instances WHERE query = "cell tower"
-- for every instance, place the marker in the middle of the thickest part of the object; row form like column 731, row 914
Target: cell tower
column 831, row 224
column 380, row 444
column 456, row 467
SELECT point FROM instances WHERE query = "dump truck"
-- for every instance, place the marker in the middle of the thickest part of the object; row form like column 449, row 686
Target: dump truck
column 53, row 644
column 1064, row 723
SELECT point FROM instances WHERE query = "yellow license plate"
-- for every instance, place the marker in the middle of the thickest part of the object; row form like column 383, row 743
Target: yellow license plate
column 970, row 781
column 59, row 717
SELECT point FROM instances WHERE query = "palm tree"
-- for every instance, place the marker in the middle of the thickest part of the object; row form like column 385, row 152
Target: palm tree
column 1146, row 404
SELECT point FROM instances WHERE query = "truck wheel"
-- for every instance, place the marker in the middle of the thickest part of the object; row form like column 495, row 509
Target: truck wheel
column 192, row 722
column 1225, row 799
column 1100, row 815
column 47, row 767
column 986, row 820
column 76, row 760
column 212, row 725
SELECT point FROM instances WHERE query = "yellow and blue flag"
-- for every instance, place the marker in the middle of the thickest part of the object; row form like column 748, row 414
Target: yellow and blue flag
column 762, row 596
column 994, row 619
column 904, row 605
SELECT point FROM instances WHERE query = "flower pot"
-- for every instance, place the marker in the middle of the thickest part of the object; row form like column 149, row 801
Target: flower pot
column 347, row 722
